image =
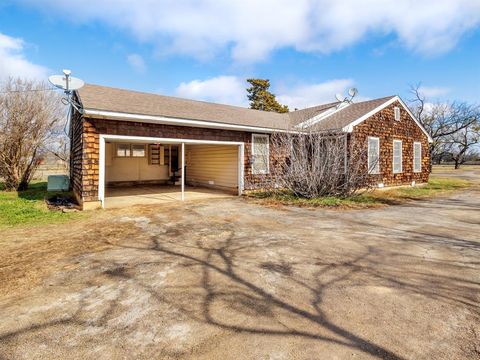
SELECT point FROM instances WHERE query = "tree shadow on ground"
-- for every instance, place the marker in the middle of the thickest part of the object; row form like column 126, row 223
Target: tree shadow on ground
column 227, row 270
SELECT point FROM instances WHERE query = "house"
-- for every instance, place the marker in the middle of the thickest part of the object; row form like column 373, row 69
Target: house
column 123, row 137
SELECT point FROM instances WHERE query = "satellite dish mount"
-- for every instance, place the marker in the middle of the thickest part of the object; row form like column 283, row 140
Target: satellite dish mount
column 68, row 84
column 352, row 92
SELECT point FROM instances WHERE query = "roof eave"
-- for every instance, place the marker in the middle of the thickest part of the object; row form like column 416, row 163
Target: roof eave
column 156, row 119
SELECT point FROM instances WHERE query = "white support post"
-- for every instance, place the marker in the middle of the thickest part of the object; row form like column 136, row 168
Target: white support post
column 183, row 171
column 241, row 167
column 101, row 171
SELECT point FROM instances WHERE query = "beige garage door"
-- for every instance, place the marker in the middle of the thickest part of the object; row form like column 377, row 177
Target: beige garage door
column 213, row 166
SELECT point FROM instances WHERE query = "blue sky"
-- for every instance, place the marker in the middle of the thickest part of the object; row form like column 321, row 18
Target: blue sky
column 309, row 49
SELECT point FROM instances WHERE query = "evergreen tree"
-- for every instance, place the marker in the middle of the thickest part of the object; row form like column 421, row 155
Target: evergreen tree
column 261, row 98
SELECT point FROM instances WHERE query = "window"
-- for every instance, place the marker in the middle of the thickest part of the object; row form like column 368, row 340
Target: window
column 397, row 156
column 373, row 155
column 396, row 110
column 417, row 157
column 260, row 154
column 138, row 150
column 123, row 150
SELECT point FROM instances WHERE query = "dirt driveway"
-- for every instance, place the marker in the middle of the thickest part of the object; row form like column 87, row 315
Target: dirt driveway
column 227, row 279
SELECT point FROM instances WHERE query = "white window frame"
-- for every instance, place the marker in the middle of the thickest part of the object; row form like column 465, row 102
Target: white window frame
column 128, row 149
column 419, row 168
column 397, row 113
column 135, row 156
column 376, row 170
column 401, row 157
column 265, row 136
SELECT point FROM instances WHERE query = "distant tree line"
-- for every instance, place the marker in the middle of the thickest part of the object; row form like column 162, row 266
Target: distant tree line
column 454, row 127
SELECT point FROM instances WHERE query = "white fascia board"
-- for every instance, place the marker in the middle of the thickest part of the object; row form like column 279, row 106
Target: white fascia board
column 430, row 140
column 147, row 139
column 349, row 127
column 102, row 114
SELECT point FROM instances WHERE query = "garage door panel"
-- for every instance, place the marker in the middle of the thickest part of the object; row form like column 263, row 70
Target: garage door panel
column 212, row 165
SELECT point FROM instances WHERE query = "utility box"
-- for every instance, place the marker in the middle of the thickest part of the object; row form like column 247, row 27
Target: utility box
column 58, row 183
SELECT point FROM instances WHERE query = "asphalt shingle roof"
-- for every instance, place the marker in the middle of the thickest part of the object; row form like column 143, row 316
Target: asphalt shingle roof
column 96, row 97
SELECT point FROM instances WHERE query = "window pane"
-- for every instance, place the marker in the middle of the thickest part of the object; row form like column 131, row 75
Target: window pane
column 397, row 156
column 138, row 150
column 417, row 157
column 123, row 150
column 260, row 152
column 397, row 113
column 260, row 164
column 373, row 156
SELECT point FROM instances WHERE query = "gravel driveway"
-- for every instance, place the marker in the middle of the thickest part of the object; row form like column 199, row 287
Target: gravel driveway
column 227, row 279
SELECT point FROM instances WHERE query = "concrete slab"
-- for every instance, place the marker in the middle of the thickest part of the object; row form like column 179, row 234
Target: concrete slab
column 157, row 194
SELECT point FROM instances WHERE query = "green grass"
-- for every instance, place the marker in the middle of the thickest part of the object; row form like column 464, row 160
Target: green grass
column 29, row 208
column 373, row 198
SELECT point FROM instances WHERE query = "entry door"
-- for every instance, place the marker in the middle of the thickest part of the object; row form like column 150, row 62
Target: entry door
column 174, row 158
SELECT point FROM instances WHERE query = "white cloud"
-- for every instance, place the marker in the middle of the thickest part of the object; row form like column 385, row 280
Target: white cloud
column 433, row 91
column 306, row 95
column 13, row 62
column 221, row 89
column 252, row 29
column 232, row 90
column 137, row 63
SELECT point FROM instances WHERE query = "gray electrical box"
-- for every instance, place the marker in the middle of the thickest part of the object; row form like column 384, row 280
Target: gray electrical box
column 58, row 183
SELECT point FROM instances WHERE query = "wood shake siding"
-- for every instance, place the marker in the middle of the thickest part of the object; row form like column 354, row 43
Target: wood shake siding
column 76, row 155
column 384, row 126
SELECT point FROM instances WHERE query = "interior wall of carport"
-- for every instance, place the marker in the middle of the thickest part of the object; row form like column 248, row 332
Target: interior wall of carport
column 85, row 148
column 132, row 169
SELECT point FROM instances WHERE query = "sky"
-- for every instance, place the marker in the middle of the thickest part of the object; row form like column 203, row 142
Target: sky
column 205, row 49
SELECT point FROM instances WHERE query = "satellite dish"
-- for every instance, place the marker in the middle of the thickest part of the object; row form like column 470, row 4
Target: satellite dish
column 66, row 82
column 352, row 92
column 340, row 97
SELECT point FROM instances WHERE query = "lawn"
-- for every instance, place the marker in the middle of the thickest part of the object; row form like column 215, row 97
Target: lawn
column 29, row 208
column 375, row 198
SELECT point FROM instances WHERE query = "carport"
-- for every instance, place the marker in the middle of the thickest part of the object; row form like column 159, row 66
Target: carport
column 153, row 170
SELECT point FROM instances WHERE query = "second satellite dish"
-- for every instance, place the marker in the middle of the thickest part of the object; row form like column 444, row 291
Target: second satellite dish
column 66, row 82
column 352, row 92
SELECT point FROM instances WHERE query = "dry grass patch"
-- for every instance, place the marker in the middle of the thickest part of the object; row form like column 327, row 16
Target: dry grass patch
column 375, row 198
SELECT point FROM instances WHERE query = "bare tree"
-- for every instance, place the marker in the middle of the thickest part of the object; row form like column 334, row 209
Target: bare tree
column 315, row 163
column 441, row 120
column 29, row 118
column 463, row 141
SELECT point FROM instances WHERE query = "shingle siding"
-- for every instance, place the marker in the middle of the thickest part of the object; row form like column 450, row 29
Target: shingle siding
column 384, row 126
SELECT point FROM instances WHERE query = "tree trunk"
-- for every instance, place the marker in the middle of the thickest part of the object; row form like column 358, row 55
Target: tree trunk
column 457, row 164
column 22, row 186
